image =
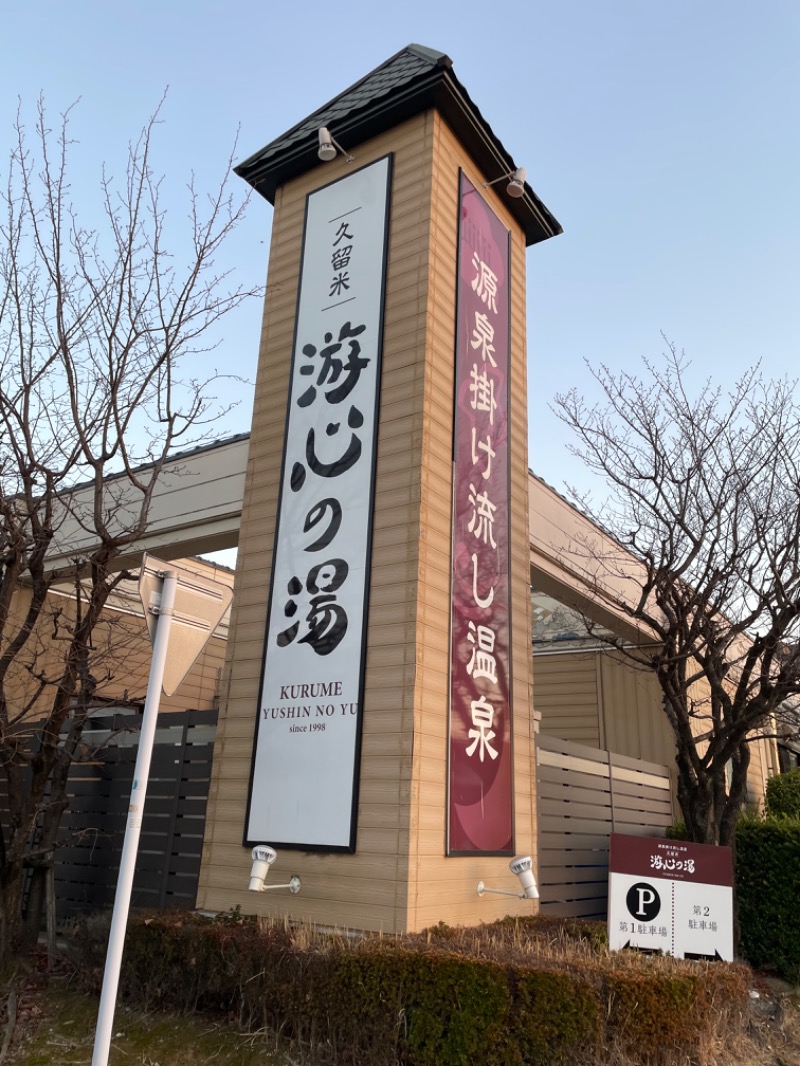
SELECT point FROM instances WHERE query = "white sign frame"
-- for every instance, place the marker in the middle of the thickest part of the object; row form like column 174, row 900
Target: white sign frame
column 305, row 769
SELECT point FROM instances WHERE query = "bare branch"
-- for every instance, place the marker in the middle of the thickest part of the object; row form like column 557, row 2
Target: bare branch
column 703, row 492
column 96, row 325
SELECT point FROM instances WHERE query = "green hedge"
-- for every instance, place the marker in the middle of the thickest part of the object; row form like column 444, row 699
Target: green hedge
column 768, row 894
column 783, row 794
column 501, row 995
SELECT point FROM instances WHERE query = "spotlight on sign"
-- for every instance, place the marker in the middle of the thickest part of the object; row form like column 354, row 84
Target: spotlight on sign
column 516, row 186
column 263, row 857
column 329, row 147
column 522, row 866
column 516, row 182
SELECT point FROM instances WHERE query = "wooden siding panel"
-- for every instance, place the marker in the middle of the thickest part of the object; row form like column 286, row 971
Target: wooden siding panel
column 404, row 757
column 433, row 869
column 373, row 874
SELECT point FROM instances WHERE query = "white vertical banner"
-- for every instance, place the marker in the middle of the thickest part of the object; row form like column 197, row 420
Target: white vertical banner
column 304, row 776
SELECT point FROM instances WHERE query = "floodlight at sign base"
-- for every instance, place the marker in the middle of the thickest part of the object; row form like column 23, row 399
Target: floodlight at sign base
column 522, row 866
column 263, row 857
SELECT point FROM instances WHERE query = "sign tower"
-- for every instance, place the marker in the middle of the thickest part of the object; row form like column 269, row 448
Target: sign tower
column 376, row 726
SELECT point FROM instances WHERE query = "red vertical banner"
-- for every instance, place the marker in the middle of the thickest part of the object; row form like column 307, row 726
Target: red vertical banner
column 480, row 772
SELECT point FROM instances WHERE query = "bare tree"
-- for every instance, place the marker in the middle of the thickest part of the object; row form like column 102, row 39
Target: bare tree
column 95, row 326
column 704, row 493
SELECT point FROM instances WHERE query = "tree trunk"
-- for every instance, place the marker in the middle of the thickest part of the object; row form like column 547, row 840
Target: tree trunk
column 737, row 794
column 45, row 842
column 34, row 909
column 695, row 796
column 23, row 899
column 710, row 804
column 11, row 925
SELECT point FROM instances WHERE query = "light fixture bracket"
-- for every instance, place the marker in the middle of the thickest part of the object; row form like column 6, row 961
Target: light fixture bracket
column 293, row 884
column 481, row 888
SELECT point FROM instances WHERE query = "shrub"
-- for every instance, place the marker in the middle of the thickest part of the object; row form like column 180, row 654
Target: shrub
column 677, row 831
column 556, row 1017
column 768, row 888
column 649, row 1012
column 531, row 992
column 456, row 1011
column 783, row 794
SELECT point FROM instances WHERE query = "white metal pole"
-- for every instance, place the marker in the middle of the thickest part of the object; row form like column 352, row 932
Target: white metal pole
column 119, row 919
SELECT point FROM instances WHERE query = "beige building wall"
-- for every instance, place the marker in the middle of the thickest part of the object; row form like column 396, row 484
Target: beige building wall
column 596, row 698
column 634, row 722
column 566, row 693
column 120, row 653
column 399, row 878
column 566, row 696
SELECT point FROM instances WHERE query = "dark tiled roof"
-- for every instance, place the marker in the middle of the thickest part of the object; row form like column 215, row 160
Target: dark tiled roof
column 412, row 81
column 394, row 74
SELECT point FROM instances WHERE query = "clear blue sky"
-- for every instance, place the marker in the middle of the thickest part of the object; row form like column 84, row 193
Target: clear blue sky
column 662, row 135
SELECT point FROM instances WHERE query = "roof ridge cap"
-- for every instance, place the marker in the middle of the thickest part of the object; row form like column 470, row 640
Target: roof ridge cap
column 441, row 58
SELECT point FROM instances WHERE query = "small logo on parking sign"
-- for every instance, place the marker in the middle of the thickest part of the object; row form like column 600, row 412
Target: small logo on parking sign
column 643, row 901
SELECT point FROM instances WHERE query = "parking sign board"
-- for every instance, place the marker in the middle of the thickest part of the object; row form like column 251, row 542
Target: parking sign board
column 670, row 896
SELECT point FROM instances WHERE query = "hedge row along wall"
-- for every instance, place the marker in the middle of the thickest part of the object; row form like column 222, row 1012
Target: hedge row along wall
column 506, row 995
column 768, row 891
column 783, row 794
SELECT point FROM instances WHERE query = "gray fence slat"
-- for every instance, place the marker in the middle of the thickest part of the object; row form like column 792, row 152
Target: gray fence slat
column 584, row 908
column 559, row 857
column 560, row 776
column 578, row 889
column 554, row 823
column 629, row 763
column 93, row 828
column 581, row 801
column 570, row 808
column 557, row 839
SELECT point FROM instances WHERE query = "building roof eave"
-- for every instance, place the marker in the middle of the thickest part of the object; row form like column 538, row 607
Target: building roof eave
column 411, row 82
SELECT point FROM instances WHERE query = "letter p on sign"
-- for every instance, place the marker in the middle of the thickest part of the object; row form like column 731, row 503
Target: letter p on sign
column 643, row 901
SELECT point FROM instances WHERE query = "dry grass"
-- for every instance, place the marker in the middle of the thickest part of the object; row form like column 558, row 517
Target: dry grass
column 55, row 1027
